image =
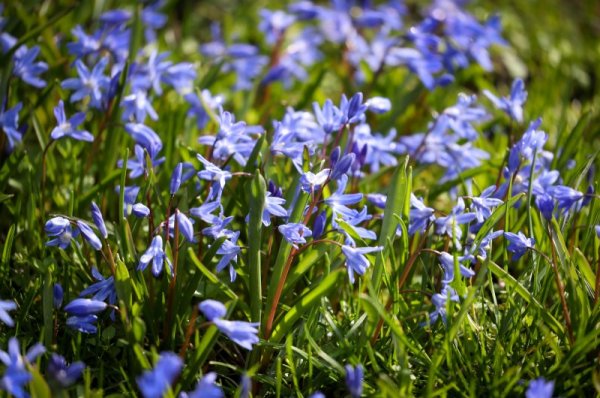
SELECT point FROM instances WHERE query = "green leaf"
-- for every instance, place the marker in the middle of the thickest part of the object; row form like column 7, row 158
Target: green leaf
column 212, row 278
column 123, row 283
column 398, row 203
column 307, row 302
column 39, row 387
column 511, row 282
column 258, row 190
column 8, row 243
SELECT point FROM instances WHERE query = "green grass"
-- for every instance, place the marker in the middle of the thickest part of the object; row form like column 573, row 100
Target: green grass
column 516, row 320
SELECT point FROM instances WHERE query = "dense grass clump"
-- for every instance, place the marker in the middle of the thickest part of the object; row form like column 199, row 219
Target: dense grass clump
column 308, row 199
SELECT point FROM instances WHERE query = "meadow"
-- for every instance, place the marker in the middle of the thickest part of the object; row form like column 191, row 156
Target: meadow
column 313, row 199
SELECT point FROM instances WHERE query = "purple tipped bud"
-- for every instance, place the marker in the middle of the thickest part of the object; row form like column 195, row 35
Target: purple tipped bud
column 99, row 220
column 57, row 291
column 176, row 178
column 319, row 225
column 83, row 307
column 588, row 196
column 140, row 210
column 89, row 235
column 272, row 187
column 276, row 191
column 335, row 155
column 343, row 166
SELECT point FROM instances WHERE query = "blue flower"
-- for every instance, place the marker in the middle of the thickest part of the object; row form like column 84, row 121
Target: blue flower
column 156, row 382
column 420, row 216
column 273, row 207
column 138, row 164
column 447, row 262
column 339, row 201
column 16, row 375
column 89, row 235
column 242, row 333
column 565, row 196
column 99, row 220
column 319, row 225
column 176, row 179
column 354, row 380
column 212, row 172
column 274, row 24
column 26, row 68
column 5, row 306
column 449, row 225
column 439, row 300
column 312, row 182
column 63, row 373
column 156, row 254
column 532, row 142
column 136, row 106
column 145, row 136
column 201, row 105
column 540, row 388
column 206, row 388
column 9, row 121
column 353, row 222
column 229, row 250
column 518, row 244
column 57, row 295
column 83, row 307
column 61, row 229
column 295, row 233
column 485, row 245
column 513, row 105
column 484, row 204
column 212, row 309
column 233, row 139
column 83, row 324
column 103, row 290
column 68, row 128
column 343, row 166
column 186, row 226
column 329, row 118
column 356, row 260
column 352, row 110
column 91, row 84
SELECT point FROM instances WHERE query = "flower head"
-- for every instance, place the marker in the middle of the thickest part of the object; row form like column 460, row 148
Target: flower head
column 540, row 388
column 89, row 83
column 27, row 68
column 155, row 383
column 16, row 375
column 356, row 260
column 9, row 122
column 68, row 128
column 242, row 333
column 156, row 254
column 295, row 233
column 206, row 388
column 60, row 228
column 354, row 380
column 518, row 244
column 5, row 306
column 62, row 373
